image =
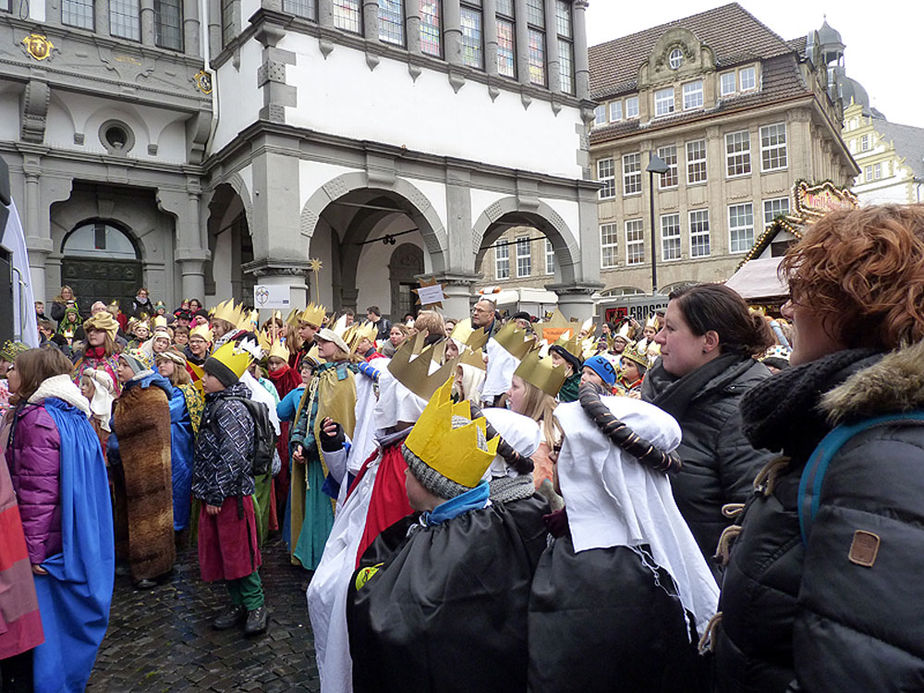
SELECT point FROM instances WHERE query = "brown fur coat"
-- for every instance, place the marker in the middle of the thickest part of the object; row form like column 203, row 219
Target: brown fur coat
column 143, row 487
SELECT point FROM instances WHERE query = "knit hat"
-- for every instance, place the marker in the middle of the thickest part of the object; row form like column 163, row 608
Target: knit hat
column 137, row 360
column 602, row 367
column 10, row 350
column 567, row 356
column 229, row 362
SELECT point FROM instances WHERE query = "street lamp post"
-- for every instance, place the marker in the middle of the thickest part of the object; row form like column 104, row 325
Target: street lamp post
column 655, row 165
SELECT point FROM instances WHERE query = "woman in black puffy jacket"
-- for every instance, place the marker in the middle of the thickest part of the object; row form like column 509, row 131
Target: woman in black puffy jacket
column 824, row 587
column 706, row 365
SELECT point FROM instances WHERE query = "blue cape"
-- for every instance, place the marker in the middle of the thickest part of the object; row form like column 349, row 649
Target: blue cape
column 182, row 444
column 75, row 596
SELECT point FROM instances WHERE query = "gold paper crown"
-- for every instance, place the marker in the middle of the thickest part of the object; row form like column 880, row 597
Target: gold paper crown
column 465, row 334
column 313, row 314
column 473, row 358
column 292, row 318
column 249, row 320
column 234, row 356
column 570, row 344
column 160, row 321
column 359, row 331
column 414, row 373
column 588, row 348
column 201, row 331
column 279, row 350
column 452, row 450
column 542, row 373
column 633, row 354
column 227, row 311
column 554, row 325
column 264, row 342
column 515, row 340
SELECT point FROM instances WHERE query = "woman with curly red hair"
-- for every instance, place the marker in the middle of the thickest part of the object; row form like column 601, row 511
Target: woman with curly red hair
column 823, row 589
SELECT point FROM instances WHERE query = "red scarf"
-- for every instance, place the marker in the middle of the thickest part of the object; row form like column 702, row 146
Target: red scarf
column 285, row 379
column 97, row 353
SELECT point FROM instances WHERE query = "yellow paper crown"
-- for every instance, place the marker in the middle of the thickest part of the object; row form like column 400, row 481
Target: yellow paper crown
column 359, row 331
column 160, row 321
column 632, row 353
column 234, row 356
column 542, row 373
column 249, row 320
column 292, row 318
column 414, row 373
column 227, row 311
column 515, row 340
column 279, row 350
column 202, row 331
column 571, row 344
column 452, row 450
column 473, row 358
column 313, row 314
column 464, row 334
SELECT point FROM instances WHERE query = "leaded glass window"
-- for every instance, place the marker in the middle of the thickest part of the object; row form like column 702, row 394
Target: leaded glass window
column 535, row 13
column 430, row 27
column 168, row 24
column 537, row 57
column 472, row 37
column 78, row 13
column 506, row 48
column 125, row 19
column 391, row 21
column 301, row 8
column 348, row 15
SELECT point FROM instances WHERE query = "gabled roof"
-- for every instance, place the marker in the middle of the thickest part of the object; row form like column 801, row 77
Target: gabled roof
column 734, row 35
column 909, row 143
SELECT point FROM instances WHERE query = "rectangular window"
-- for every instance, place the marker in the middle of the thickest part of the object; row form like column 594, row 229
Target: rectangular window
column 699, row 233
column 738, row 153
column 549, row 257
column 524, row 257
column 501, row 260
column 635, row 242
column 566, row 65
column 864, row 143
column 664, row 101
column 631, row 174
column 696, row 162
column 430, row 28
column 229, row 21
column 168, row 24
column 727, row 85
column 669, row 155
column 78, row 13
column 125, row 19
column 537, row 57
column 301, row 8
column 563, row 19
column 505, row 7
column 773, row 147
column 741, row 227
column 391, row 22
column 632, row 107
column 348, row 16
column 609, row 245
column 472, row 48
column 606, row 174
column 615, row 111
column 877, row 171
column 775, row 208
column 693, row 95
column 600, row 115
column 506, row 48
column 868, row 173
column 535, row 13
column 747, row 79
column 670, row 237
column 5, row 5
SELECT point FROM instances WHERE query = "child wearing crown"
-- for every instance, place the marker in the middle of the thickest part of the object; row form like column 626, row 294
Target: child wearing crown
column 440, row 598
column 223, row 481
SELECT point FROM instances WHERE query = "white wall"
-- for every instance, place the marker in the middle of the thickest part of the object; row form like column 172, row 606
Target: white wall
column 239, row 100
column 221, row 267
column 342, row 96
column 372, row 275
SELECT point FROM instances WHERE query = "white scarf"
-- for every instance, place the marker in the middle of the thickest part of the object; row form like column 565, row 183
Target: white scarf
column 520, row 432
column 501, row 365
column 614, row 500
column 63, row 388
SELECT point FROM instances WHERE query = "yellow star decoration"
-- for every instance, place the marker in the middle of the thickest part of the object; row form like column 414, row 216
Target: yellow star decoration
column 315, row 265
column 424, row 283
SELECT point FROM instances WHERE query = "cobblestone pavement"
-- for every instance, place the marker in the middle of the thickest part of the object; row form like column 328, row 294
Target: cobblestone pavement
column 161, row 639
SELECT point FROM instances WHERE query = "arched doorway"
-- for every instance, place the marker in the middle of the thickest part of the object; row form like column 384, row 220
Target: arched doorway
column 407, row 262
column 101, row 262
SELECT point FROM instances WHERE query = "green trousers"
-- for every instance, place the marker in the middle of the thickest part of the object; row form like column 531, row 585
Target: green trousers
column 247, row 591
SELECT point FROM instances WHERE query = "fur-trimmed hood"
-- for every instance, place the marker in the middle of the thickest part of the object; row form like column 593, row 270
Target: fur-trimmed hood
column 62, row 387
column 892, row 385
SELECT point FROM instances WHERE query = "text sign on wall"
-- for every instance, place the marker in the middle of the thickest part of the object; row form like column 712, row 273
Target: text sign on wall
column 268, row 296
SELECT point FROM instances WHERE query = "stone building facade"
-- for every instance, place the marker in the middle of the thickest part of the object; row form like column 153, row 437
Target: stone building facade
column 198, row 148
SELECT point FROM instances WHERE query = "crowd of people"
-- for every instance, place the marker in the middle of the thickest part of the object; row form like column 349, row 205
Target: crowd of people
column 715, row 499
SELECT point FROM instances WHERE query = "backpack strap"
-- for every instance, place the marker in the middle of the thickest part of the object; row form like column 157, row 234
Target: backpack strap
column 814, row 472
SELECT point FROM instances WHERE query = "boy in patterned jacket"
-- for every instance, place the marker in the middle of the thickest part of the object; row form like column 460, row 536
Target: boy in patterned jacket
column 223, row 481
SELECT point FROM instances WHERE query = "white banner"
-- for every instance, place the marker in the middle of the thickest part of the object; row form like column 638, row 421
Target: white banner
column 270, row 296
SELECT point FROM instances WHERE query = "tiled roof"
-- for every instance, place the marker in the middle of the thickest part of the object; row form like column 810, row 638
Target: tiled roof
column 734, row 35
column 909, row 143
column 798, row 44
column 782, row 80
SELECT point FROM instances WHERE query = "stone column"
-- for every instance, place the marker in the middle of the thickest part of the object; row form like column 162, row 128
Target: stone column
column 214, row 19
column 38, row 238
column 101, row 18
column 291, row 277
column 371, row 20
column 189, row 253
column 522, row 39
column 574, row 300
column 412, row 26
column 489, row 30
column 552, row 69
column 459, row 290
column 147, row 22
column 460, row 258
column 326, row 13
column 191, row 30
column 452, row 32
column 581, row 65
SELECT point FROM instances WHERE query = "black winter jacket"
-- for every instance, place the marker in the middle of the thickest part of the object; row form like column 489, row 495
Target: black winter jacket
column 814, row 617
column 719, row 463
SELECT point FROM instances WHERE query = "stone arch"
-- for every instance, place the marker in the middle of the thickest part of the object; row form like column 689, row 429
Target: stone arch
column 231, row 195
column 540, row 215
column 410, row 199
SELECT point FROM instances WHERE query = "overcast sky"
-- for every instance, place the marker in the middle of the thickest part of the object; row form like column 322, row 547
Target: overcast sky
column 882, row 39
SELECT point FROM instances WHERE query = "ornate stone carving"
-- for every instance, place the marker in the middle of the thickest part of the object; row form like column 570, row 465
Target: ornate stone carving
column 34, row 111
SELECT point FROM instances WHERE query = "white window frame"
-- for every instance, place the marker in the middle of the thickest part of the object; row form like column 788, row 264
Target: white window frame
column 752, row 72
column 501, row 259
column 524, row 255
column 864, row 143
column 631, row 109
column 691, row 162
column 868, row 173
column 699, row 218
column 773, row 151
column 877, row 171
column 773, row 208
column 722, row 83
column 608, row 191
column 689, row 91
column 631, row 174
column 671, row 161
column 609, row 245
column 615, row 111
column 664, row 101
column 737, row 156
column 600, row 114
column 675, row 59
column 549, row 257
column 671, row 239
column 740, row 243
column 635, row 245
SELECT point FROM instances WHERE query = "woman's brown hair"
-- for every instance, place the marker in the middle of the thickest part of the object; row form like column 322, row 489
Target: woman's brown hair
column 37, row 365
column 862, row 272
column 716, row 308
column 180, row 374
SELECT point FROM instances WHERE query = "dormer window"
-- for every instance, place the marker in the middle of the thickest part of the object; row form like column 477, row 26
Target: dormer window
column 675, row 59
